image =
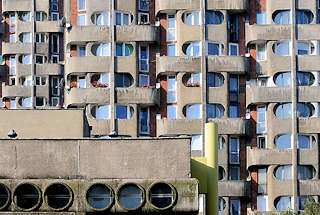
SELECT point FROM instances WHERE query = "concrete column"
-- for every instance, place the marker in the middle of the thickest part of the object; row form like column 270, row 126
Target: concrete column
column 203, row 67
column 294, row 107
column 112, row 67
column 33, row 50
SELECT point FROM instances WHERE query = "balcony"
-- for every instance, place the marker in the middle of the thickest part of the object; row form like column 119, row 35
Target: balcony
column 264, row 157
column 16, row 90
column 172, row 127
column 309, row 125
column 16, row 48
column 256, row 95
column 234, row 64
column 169, row 5
column 309, row 187
column 189, row 95
column 16, row 5
column 217, row 32
column 88, row 33
column 239, row 5
column 236, row 126
column 267, row 32
column 145, row 33
column 83, row 96
column 166, row 64
column 49, row 69
column 138, row 95
column 233, row 188
column 100, row 127
column 49, row 26
column 87, row 64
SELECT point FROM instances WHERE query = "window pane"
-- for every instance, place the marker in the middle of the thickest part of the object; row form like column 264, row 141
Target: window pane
column 103, row 112
column 81, row 21
column 125, row 19
column 235, row 207
column 196, row 142
column 118, row 18
column 213, row 49
column 143, row 80
column 194, row 111
column 81, row 4
column 81, row 82
column 144, row 120
column 121, row 112
column 171, row 50
column 171, row 111
column 261, row 18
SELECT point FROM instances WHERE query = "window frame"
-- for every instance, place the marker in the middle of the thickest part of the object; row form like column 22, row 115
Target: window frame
column 234, row 153
column 54, row 5
column 173, row 90
column 263, row 56
column 148, row 121
column 85, row 19
column 103, row 20
column 173, row 28
column 238, row 205
column 175, row 50
column 78, row 5
column 146, row 60
column 264, row 16
column 41, row 16
column 57, row 79
column 193, row 17
column 140, row 15
column 140, row 83
column 259, row 144
column 122, row 18
column 261, row 121
column 52, row 43
column 85, row 82
column 173, row 109
column 53, row 14
column 41, row 37
column 236, row 45
column 12, row 69
column 79, row 47
column 43, row 101
column 141, row 8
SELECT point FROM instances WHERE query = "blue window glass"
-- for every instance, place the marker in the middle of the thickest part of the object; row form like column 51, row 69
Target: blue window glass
column 213, row 49
column 214, row 17
column 144, row 120
column 172, row 50
column 282, row 48
column 215, row 111
column 121, row 112
column 193, row 111
column 283, row 79
column 122, row 80
column 234, row 111
column 261, row 18
column 214, row 79
column 304, row 17
column 305, row 79
column 283, row 141
column 282, row 17
column 284, row 111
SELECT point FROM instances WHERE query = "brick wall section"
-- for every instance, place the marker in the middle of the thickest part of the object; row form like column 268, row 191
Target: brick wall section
column 163, row 52
column 254, row 172
column 152, row 15
column 256, row 6
column 73, row 51
column 73, row 12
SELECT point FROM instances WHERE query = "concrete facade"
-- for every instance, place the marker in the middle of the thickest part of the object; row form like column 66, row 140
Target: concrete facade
column 164, row 70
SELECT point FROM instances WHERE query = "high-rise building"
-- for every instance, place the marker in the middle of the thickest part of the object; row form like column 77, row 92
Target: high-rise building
column 162, row 68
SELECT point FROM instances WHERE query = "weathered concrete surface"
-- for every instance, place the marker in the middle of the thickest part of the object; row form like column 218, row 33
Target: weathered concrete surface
column 137, row 95
column 232, row 126
column 233, row 188
column 119, row 158
column 43, row 123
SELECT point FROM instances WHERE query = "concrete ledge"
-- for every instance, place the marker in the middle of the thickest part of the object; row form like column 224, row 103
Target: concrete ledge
column 234, row 64
column 88, row 33
column 83, row 96
column 146, row 33
column 234, row 188
column 232, row 125
column 137, row 95
column 87, row 64
column 264, row 157
column 172, row 127
column 168, row 64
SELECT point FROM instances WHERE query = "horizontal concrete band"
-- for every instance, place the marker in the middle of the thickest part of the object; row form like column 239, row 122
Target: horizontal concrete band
column 120, row 158
column 184, row 194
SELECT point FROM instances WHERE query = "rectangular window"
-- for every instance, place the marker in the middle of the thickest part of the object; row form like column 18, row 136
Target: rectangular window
column 13, row 103
column 261, row 18
column 26, row 16
column 12, row 38
column 40, row 38
column 39, row 59
column 81, row 5
column 194, row 111
column 233, row 49
column 81, row 19
column 235, row 207
column 122, row 112
column 143, row 80
column 27, row 81
column 171, row 50
column 81, row 51
column 55, row 43
column 261, row 52
column 54, row 6
column 40, row 16
column 12, row 19
column 81, row 82
column 144, row 5
column 55, row 86
column 40, row 101
column 12, row 80
column 26, row 59
column 171, row 89
column 234, row 172
column 213, row 49
column 54, row 59
column 102, row 18
column 171, row 27
column 144, row 58
column 262, row 202
column 12, row 66
column 233, row 88
column 101, row 112
column 196, row 142
column 234, row 111
column 143, row 18
column 122, row 18
column 54, row 16
column 262, row 142
column 144, row 126
column 40, row 81
column 261, row 119
column 262, row 180
column 55, row 101
column 171, row 111
column 26, row 38
column 194, row 49
column 233, row 27
column 234, row 150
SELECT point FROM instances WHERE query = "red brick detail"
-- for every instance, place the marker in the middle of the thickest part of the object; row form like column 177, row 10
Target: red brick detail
column 163, row 35
column 254, row 188
column 242, row 96
column 7, row 103
column 73, row 12
column 256, row 6
column 73, row 81
column 163, row 96
column 243, row 156
column 73, row 51
column 242, row 37
column 153, row 113
column 152, row 65
column 61, row 48
column 253, row 54
column 61, row 6
column 152, row 15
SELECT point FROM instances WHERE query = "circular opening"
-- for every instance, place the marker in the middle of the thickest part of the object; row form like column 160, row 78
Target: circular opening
column 99, row 196
column 58, row 196
column 161, row 195
column 27, row 196
column 4, row 196
column 130, row 196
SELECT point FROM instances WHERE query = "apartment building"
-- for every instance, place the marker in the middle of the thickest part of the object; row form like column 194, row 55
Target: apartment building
column 162, row 68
